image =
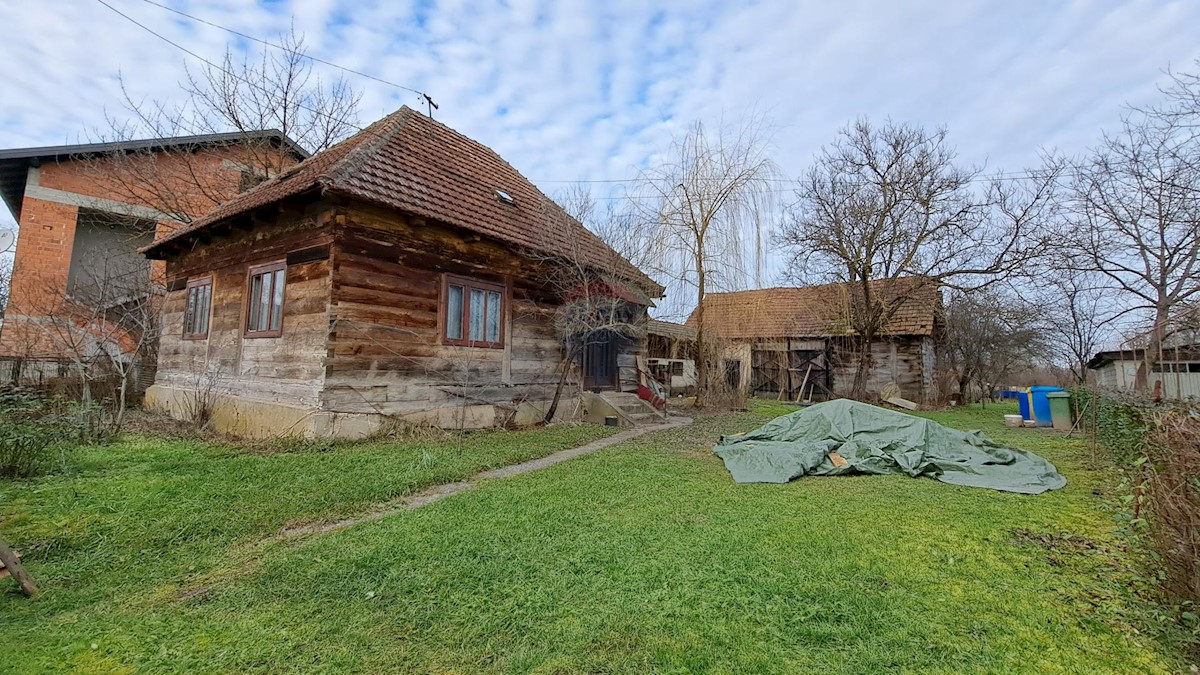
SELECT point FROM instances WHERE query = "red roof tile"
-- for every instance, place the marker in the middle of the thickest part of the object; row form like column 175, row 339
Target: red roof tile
column 807, row 312
column 411, row 163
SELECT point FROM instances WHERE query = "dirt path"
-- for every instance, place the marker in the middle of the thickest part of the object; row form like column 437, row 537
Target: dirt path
column 440, row 492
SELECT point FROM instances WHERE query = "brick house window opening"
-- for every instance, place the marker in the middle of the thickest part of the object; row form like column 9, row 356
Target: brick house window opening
column 264, row 317
column 199, row 308
column 473, row 313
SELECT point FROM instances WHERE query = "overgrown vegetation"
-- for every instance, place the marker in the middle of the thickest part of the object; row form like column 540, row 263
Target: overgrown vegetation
column 1158, row 446
column 35, row 430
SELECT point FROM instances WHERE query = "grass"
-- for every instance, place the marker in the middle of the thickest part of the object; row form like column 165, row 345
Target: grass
column 643, row 557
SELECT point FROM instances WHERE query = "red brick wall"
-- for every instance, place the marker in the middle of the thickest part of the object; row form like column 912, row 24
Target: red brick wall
column 197, row 183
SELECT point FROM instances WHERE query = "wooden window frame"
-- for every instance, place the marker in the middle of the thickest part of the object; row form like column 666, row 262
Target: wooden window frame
column 468, row 284
column 259, row 270
column 197, row 283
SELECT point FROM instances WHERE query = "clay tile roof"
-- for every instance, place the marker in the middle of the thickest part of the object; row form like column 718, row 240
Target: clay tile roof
column 807, row 312
column 675, row 331
column 411, row 163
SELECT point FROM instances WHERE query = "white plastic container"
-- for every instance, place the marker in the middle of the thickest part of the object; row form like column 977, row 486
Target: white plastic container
column 1013, row 421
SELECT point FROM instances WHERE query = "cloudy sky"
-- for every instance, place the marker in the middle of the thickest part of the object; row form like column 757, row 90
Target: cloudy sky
column 571, row 90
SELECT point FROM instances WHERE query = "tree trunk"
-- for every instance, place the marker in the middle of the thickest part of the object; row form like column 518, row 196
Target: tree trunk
column 858, row 391
column 13, row 566
column 864, row 320
column 119, row 418
column 1153, row 347
column 702, row 374
column 562, row 382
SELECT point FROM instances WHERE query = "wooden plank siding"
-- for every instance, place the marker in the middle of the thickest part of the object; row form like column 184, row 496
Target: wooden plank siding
column 386, row 354
column 286, row 369
column 901, row 360
column 362, row 331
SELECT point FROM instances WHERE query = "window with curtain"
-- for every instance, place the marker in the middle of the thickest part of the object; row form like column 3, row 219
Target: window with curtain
column 264, row 312
column 198, row 308
column 473, row 313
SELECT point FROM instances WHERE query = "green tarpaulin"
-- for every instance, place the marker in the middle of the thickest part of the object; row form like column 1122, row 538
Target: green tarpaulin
column 843, row 436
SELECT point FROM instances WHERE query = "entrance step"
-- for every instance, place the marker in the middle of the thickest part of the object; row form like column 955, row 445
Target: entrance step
column 633, row 410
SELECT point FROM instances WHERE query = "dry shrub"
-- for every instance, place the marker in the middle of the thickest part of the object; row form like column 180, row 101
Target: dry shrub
column 1171, row 494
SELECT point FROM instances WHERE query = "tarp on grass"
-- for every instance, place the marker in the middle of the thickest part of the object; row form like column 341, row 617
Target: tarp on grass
column 843, row 436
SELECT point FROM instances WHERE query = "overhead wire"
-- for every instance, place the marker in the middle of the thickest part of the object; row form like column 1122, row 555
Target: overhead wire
column 215, row 66
column 193, row 54
column 268, row 43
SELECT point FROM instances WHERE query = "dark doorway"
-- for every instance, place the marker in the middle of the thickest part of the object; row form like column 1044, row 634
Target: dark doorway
column 733, row 374
column 600, row 360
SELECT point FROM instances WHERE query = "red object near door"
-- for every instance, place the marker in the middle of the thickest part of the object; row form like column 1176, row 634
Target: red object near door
column 644, row 393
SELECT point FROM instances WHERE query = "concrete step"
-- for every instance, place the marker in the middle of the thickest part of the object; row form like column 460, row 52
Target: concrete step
column 634, row 409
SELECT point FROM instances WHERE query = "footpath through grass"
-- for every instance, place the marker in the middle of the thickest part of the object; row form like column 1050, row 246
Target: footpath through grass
column 644, row 557
column 127, row 523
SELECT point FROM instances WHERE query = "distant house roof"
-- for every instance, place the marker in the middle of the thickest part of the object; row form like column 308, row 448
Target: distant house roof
column 1183, row 353
column 15, row 162
column 808, row 312
column 667, row 329
column 413, row 164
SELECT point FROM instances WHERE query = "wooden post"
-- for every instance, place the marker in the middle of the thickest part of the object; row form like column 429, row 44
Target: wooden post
column 13, row 566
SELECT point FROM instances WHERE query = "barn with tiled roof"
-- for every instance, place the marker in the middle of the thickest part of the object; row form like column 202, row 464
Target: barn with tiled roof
column 798, row 339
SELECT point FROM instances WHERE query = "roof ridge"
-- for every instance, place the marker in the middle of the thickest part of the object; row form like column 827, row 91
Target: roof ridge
column 362, row 151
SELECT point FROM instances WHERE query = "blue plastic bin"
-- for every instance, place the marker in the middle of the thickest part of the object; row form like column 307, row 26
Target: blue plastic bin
column 1023, row 404
column 1041, row 404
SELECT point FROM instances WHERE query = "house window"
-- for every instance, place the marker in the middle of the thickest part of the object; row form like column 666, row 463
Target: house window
column 264, row 312
column 199, row 305
column 677, row 368
column 473, row 313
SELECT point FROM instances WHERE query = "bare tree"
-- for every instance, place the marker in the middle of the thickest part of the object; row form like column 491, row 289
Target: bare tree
column 276, row 91
column 616, row 222
column 105, row 321
column 594, row 301
column 5, row 281
column 888, row 212
column 1136, row 207
column 1081, row 314
column 989, row 335
column 703, row 209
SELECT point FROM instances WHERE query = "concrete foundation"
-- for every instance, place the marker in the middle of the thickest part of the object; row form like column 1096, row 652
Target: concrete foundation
column 253, row 418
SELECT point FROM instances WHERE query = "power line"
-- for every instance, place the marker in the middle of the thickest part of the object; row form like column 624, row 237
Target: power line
column 1014, row 175
column 282, row 48
column 237, row 77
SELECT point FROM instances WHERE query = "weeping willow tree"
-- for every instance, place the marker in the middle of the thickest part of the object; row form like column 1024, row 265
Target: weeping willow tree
column 702, row 210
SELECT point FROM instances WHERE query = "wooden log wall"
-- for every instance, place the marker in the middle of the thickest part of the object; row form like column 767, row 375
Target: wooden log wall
column 361, row 320
column 287, row 369
column 385, row 352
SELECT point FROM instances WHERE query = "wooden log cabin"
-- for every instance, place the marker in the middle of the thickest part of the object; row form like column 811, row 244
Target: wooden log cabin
column 794, row 343
column 406, row 273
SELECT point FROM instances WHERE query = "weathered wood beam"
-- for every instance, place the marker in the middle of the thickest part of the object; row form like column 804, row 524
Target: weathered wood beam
column 12, row 565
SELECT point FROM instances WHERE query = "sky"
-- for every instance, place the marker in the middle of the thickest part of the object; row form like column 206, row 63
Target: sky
column 571, row 90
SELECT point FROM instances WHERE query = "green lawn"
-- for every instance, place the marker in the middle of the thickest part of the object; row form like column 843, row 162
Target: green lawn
column 642, row 557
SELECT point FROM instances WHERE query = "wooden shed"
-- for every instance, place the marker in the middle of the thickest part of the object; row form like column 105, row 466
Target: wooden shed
column 794, row 342
column 405, row 273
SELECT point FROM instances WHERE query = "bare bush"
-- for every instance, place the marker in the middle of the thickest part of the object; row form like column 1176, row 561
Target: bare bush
column 1171, row 494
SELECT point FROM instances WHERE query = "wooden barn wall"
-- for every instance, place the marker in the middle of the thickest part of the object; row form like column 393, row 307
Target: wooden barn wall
column 385, row 353
column 900, row 360
column 287, row 369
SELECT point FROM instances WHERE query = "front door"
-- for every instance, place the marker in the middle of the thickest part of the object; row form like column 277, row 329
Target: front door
column 600, row 361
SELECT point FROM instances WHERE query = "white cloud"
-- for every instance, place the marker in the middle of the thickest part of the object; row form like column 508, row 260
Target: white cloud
column 585, row 90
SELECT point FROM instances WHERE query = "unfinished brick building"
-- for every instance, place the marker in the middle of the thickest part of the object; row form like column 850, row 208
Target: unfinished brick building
column 84, row 210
